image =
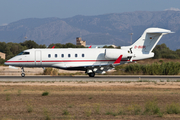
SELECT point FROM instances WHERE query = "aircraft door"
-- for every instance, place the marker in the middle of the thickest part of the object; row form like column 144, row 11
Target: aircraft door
column 38, row 58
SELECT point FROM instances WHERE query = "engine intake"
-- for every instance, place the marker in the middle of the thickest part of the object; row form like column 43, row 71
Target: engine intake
column 115, row 53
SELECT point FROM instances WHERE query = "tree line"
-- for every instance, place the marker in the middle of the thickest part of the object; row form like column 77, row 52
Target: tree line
column 169, row 68
column 162, row 51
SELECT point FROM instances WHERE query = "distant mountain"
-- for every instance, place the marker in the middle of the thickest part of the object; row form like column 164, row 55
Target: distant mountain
column 101, row 29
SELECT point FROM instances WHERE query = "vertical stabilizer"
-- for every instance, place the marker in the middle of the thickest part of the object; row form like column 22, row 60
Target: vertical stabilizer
column 148, row 40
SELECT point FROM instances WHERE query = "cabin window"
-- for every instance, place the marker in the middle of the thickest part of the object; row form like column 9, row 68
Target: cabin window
column 69, row 55
column 62, row 55
column 76, row 55
column 55, row 55
column 49, row 55
column 82, row 55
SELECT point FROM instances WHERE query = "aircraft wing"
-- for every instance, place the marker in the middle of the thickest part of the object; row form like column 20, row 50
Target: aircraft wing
column 98, row 68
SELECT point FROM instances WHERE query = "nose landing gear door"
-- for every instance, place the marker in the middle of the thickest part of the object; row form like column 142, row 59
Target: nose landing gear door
column 38, row 58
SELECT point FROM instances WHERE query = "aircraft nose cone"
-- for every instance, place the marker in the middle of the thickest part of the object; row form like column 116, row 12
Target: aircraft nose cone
column 6, row 63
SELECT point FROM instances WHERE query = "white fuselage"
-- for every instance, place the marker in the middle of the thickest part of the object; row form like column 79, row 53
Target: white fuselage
column 62, row 58
column 71, row 58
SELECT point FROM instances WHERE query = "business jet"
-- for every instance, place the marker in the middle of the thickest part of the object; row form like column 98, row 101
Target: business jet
column 90, row 60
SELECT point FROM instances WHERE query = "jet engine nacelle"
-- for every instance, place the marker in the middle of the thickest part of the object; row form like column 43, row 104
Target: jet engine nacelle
column 115, row 53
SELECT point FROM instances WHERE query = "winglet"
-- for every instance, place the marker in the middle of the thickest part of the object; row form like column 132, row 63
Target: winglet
column 118, row 60
column 53, row 47
column 90, row 46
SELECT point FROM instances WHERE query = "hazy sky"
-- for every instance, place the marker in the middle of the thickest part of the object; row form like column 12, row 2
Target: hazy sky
column 13, row 10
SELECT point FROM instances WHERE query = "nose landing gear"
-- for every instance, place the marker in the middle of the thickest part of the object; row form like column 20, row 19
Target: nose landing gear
column 23, row 73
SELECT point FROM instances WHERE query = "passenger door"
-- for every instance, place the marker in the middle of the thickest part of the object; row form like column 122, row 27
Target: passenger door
column 38, row 58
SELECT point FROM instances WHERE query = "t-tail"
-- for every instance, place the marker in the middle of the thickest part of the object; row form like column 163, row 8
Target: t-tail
column 143, row 47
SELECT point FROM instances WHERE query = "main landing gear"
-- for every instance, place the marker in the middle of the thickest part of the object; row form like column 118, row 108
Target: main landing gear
column 23, row 73
column 91, row 74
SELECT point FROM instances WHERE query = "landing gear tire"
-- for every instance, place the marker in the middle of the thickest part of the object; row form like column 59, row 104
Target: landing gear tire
column 23, row 74
column 91, row 74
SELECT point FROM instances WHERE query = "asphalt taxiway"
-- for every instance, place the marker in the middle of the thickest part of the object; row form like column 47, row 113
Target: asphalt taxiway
column 96, row 78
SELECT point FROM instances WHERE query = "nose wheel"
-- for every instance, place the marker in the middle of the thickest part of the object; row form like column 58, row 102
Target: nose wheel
column 23, row 73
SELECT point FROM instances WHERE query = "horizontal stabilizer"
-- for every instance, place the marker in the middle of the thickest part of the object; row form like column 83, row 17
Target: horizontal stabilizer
column 161, row 32
column 158, row 31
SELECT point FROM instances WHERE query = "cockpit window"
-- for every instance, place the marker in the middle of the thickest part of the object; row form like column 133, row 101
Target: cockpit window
column 24, row 53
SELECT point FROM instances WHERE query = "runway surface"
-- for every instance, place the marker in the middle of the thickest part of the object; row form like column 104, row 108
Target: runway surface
column 96, row 78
